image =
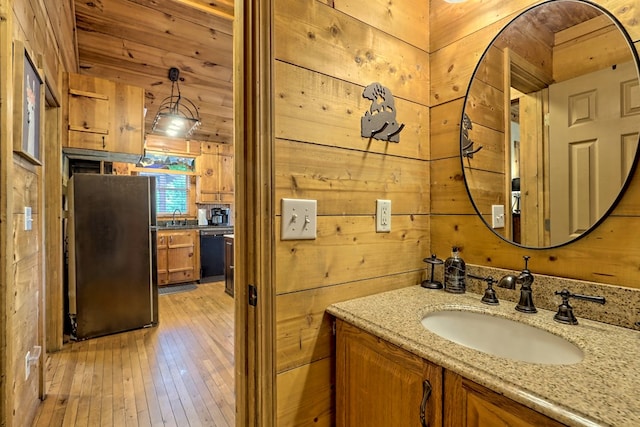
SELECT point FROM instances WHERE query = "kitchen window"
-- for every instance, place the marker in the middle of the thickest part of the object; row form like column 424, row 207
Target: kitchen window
column 172, row 192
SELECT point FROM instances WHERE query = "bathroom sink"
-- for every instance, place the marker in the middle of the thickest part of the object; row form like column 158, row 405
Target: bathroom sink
column 502, row 337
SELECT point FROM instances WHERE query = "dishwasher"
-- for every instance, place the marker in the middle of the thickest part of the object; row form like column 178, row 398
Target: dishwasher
column 212, row 253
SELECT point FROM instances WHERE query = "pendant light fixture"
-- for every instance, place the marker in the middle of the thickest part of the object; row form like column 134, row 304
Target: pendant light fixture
column 177, row 117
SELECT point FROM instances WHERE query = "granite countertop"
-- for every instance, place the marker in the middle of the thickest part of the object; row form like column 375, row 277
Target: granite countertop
column 602, row 389
column 188, row 226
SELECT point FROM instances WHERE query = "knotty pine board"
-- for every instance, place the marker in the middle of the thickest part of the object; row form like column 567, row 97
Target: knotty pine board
column 348, row 49
column 407, row 20
column 607, row 255
column 347, row 182
column 313, row 107
column 347, row 248
column 304, row 331
column 305, row 395
column 448, row 192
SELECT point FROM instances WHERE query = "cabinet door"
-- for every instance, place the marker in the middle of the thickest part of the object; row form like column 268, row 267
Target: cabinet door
column 226, row 178
column 172, row 146
column 105, row 115
column 379, row 384
column 208, row 183
column 216, row 181
column 161, row 259
column 472, row 405
column 90, row 100
column 127, row 119
column 181, row 256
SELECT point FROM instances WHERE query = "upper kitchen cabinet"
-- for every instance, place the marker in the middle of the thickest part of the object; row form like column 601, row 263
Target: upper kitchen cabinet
column 173, row 146
column 215, row 182
column 106, row 119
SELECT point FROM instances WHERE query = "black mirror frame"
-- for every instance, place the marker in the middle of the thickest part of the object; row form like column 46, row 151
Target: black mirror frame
column 464, row 142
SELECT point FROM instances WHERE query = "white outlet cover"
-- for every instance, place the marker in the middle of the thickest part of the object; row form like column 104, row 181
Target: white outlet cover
column 383, row 216
column 28, row 218
column 299, row 218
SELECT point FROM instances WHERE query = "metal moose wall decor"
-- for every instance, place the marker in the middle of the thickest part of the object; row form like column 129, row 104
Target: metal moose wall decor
column 380, row 121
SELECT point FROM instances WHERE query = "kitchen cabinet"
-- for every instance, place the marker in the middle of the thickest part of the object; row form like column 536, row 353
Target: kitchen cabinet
column 178, row 258
column 104, row 118
column 228, row 265
column 172, row 146
column 215, row 182
column 380, row 384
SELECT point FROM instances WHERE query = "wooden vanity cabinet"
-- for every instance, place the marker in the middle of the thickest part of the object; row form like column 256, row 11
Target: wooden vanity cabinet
column 469, row 404
column 380, row 384
column 215, row 183
column 177, row 256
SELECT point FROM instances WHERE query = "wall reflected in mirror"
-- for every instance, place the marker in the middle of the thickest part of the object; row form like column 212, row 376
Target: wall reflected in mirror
column 555, row 105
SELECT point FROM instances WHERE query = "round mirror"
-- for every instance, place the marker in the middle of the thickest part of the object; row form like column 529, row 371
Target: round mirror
column 551, row 121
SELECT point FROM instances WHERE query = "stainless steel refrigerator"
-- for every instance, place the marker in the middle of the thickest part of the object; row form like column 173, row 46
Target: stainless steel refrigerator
column 112, row 276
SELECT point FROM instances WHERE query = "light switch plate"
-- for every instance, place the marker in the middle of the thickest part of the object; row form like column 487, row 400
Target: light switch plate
column 497, row 216
column 383, row 216
column 299, row 217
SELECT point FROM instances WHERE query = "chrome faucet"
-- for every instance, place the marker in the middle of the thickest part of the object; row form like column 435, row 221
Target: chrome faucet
column 173, row 220
column 525, row 305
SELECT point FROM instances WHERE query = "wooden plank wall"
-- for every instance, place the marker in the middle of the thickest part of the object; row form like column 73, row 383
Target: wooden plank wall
column 459, row 34
column 326, row 52
column 485, row 170
column 24, row 292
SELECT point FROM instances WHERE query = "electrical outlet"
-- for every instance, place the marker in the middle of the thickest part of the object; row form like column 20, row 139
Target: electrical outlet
column 383, row 216
column 299, row 219
column 27, row 365
column 497, row 216
column 28, row 218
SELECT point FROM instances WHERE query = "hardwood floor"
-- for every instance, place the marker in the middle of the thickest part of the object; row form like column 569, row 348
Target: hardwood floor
column 177, row 374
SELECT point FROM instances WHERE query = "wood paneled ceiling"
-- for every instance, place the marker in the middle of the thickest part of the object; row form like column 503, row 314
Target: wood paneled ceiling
column 137, row 41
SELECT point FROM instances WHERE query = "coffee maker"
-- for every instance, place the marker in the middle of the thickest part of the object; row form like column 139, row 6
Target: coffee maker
column 220, row 216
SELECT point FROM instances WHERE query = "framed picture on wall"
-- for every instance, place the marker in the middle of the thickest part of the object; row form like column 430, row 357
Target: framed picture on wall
column 28, row 106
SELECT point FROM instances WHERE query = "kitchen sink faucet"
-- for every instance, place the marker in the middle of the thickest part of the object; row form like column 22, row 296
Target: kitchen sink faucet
column 173, row 220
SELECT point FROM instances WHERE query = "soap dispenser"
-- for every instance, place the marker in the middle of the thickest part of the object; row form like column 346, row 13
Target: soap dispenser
column 454, row 273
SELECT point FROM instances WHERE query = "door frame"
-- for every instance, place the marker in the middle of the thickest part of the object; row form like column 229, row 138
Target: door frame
column 6, row 210
column 254, row 226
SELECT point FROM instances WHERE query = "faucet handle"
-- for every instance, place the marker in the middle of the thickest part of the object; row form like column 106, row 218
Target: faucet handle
column 489, row 296
column 525, row 277
column 565, row 311
column 526, row 305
